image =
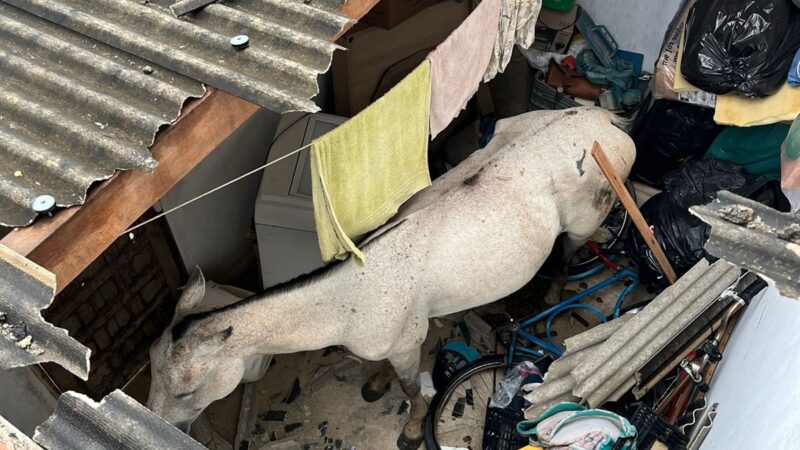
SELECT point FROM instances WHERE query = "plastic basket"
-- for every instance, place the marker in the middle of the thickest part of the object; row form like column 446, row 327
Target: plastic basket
column 500, row 429
column 544, row 96
column 651, row 428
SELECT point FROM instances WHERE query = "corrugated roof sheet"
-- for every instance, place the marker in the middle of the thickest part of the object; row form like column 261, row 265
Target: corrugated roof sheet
column 755, row 236
column 600, row 364
column 289, row 41
column 117, row 422
column 25, row 337
column 72, row 111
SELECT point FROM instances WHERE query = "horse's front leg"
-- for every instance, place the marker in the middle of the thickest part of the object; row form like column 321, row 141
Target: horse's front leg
column 406, row 365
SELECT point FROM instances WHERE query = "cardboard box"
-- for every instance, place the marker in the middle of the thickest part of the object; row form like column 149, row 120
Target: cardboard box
column 554, row 29
column 376, row 59
column 387, row 14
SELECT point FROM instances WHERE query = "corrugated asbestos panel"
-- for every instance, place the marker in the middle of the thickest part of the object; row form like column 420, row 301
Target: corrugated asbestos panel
column 600, row 364
column 755, row 236
column 14, row 439
column 25, row 337
column 289, row 41
column 72, row 111
column 117, row 422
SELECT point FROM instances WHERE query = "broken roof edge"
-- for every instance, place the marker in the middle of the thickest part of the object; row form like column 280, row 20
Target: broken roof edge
column 25, row 337
column 13, row 438
column 755, row 236
column 117, row 421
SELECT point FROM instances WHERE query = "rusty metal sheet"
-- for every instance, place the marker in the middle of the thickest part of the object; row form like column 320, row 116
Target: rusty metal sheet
column 116, row 422
column 25, row 337
column 289, row 41
column 72, row 111
column 755, row 236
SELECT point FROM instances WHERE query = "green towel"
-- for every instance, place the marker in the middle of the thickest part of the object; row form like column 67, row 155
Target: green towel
column 363, row 170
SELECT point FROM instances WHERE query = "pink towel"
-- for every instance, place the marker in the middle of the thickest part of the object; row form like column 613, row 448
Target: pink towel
column 459, row 63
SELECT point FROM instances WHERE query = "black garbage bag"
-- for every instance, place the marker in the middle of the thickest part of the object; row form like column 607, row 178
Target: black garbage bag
column 740, row 45
column 682, row 235
column 671, row 134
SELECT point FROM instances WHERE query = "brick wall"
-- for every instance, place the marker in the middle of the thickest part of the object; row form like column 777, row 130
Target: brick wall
column 117, row 307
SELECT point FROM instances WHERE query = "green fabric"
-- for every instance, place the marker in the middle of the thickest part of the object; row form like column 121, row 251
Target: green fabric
column 363, row 170
column 560, row 5
column 758, row 149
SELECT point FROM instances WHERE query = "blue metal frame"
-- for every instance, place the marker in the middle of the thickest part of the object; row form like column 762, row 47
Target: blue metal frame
column 570, row 303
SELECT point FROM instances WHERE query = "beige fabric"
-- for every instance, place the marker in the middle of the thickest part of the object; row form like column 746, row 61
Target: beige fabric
column 517, row 26
column 458, row 63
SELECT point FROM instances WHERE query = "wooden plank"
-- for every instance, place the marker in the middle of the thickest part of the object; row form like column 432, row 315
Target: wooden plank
column 633, row 211
column 68, row 242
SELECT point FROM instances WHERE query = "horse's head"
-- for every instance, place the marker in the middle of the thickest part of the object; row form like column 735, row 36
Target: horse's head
column 189, row 365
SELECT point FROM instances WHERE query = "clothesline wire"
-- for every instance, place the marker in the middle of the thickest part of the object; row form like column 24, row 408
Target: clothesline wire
column 221, row 186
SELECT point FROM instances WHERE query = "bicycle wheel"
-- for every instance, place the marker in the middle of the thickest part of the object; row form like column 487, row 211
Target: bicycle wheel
column 457, row 415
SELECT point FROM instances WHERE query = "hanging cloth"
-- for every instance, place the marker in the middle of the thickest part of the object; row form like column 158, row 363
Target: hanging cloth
column 517, row 26
column 459, row 63
column 363, row 170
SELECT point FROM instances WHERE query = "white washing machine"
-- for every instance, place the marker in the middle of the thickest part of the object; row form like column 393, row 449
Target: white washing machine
column 284, row 213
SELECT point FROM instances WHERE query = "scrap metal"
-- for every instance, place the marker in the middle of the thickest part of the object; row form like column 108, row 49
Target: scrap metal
column 290, row 41
column 72, row 111
column 25, row 337
column 117, row 422
column 755, row 236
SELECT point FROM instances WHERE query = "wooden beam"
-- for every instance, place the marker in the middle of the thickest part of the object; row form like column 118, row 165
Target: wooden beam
column 68, row 242
column 633, row 211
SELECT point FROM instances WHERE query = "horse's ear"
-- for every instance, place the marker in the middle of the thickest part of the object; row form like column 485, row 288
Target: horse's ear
column 193, row 293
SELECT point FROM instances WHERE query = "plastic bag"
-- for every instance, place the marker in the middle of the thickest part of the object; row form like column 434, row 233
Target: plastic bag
column 740, row 45
column 671, row 134
column 512, row 383
column 682, row 235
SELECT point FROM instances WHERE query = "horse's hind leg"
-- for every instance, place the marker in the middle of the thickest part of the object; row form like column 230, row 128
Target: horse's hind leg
column 565, row 251
column 407, row 367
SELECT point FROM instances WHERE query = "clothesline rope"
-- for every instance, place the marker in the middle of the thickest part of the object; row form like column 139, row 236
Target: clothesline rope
column 221, row 186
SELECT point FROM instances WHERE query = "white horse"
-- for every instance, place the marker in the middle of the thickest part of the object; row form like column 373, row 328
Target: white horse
column 479, row 233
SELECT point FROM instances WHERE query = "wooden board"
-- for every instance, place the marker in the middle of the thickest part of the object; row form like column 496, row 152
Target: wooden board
column 68, row 242
column 633, row 211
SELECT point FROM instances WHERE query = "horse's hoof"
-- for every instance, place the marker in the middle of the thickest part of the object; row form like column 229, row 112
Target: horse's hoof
column 370, row 395
column 406, row 443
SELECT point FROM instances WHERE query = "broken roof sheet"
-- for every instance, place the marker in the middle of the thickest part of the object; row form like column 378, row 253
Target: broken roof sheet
column 14, row 439
column 601, row 363
column 72, row 111
column 117, row 422
column 755, row 236
column 289, row 41
column 25, row 337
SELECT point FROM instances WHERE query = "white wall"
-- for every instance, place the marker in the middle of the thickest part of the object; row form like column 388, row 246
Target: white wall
column 214, row 232
column 637, row 25
column 24, row 400
column 757, row 383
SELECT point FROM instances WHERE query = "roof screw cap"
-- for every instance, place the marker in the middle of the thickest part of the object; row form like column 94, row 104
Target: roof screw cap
column 43, row 203
column 240, row 42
